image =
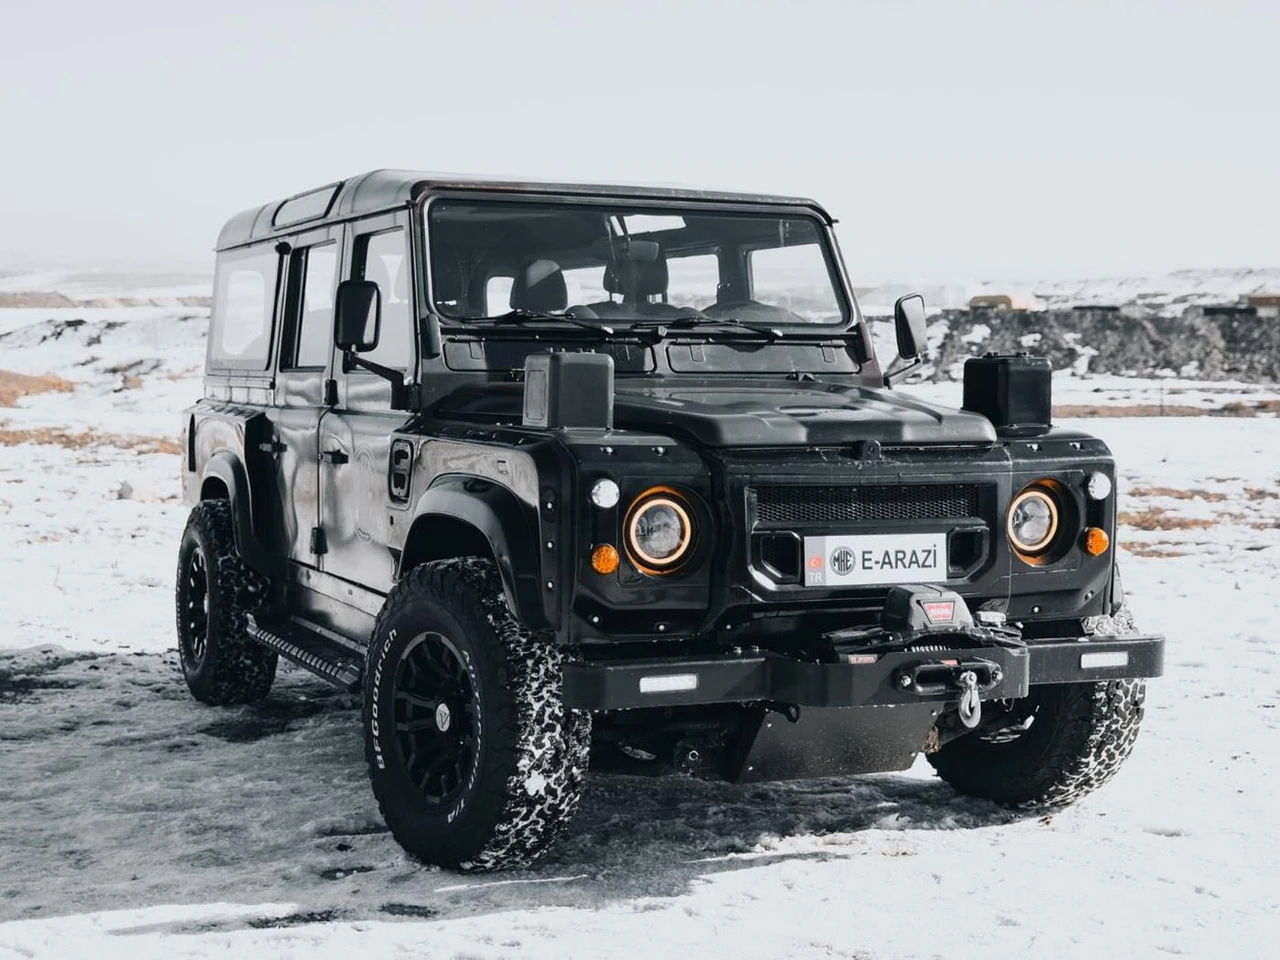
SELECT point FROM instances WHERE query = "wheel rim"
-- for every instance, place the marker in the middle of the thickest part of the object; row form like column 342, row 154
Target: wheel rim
column 437, row 729
column 195, row 606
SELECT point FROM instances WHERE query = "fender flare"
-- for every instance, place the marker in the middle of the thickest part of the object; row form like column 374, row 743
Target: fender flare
column 226, row 466
column 509, row 526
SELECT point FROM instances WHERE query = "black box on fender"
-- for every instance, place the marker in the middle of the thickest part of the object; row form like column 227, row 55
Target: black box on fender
column 1014, row 392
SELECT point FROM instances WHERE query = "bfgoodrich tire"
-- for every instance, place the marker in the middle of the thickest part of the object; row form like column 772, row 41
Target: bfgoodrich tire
column 474, row 759
column 215, row 593
column 1064, row 740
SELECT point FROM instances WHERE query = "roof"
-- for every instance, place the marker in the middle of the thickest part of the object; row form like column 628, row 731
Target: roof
column 382, row 190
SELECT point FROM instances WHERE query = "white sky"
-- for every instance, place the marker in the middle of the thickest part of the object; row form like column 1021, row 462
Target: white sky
column 954, row 140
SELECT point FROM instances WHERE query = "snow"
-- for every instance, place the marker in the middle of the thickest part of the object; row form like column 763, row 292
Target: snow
column 1166, row 295
column 135, row 821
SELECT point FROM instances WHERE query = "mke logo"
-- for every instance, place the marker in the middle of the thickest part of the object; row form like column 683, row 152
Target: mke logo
column 842, row 561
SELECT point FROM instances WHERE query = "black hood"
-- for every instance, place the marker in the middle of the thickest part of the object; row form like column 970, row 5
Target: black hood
column 772, row 414
column 757, row 413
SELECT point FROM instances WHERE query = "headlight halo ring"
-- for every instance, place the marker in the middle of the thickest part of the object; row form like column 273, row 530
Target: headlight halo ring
column 1048, row 492
column 677, row 503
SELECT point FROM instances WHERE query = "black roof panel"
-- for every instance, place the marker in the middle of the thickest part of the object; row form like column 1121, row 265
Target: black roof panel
column 388, row 189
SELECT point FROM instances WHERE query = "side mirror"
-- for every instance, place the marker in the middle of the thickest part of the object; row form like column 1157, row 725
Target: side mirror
column 910, row 325
column 357, row 316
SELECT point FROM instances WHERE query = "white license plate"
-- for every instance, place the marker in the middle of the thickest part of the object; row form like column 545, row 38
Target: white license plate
column 875, row 558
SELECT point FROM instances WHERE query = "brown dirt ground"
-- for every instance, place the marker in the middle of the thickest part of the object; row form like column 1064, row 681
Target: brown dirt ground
column 1235, row 409
column 56, row 436
column 16, row 385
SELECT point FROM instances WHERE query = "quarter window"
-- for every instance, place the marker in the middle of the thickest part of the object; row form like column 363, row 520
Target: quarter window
column 312, row 271
column 381, row 258
column 243, row 306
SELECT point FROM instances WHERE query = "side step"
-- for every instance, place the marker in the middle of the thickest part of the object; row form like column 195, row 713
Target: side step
column 312, row 650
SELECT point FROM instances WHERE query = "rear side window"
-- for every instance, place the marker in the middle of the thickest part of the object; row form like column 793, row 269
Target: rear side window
column 244, row 296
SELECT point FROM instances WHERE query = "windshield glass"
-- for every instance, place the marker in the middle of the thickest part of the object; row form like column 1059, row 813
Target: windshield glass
column 629, row 263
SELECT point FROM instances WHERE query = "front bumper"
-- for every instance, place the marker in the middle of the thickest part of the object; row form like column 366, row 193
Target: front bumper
column 893, row 678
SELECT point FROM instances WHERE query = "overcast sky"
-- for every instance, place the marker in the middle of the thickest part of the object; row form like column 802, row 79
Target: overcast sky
column 954, row 140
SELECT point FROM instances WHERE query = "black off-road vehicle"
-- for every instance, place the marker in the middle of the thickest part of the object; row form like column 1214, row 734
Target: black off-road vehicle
column 538, row 466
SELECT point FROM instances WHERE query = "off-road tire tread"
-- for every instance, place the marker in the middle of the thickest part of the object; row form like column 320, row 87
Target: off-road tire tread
column 1097, row 726
column 236, row 668
column 543, row 744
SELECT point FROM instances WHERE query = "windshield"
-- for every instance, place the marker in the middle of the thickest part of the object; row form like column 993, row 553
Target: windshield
column 610, row 263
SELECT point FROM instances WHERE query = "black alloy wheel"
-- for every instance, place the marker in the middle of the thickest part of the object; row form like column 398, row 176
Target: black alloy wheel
column 193, row 604
column 437, row 729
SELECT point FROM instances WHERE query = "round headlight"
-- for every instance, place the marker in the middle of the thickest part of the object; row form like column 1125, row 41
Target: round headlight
column 1033, row 520
column 659, row 530
column 604, row 493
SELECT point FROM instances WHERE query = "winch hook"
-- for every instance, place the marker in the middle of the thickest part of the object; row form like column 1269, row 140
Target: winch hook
column 970, row 701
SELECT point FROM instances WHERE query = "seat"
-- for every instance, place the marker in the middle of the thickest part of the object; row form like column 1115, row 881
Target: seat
column 540, row 287
column 637, row 281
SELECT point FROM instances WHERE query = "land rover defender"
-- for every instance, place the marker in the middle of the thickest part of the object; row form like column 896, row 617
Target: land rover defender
column 550, row 471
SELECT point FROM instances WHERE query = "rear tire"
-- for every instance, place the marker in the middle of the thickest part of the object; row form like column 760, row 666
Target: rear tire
column 215, row 593
column 474, row 759
column 1076, row 737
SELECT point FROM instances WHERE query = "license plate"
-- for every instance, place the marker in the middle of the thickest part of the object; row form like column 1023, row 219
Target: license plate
column 868, row 559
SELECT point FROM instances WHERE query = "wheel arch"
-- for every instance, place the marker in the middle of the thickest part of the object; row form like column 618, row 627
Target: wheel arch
column 224, row 478
column 461, row 516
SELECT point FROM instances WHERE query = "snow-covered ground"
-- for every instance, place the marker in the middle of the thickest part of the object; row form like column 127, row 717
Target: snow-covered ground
column 1166, row 294
column 135, row 821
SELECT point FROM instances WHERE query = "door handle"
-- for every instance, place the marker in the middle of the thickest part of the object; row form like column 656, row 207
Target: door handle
column 336, row 457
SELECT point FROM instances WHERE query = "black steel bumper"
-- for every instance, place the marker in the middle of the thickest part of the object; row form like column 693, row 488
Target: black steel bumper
column 901, row 677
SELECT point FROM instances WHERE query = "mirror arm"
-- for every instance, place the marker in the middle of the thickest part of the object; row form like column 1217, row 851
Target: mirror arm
column 891, row 378
column 399, row 388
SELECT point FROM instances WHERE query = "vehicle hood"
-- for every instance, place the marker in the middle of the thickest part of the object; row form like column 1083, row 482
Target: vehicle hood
column 755, row 414
column 752, row 413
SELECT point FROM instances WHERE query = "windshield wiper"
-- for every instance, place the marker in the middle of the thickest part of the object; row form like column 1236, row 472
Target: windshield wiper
column 522, row 318
column 688, row 323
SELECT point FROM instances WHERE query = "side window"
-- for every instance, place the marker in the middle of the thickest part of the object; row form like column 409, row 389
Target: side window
column 585, row 285
column 380, row 257
column 693, row 281
column 497, row 295
column 243, row 307
column 312, row 272
column 795, row 278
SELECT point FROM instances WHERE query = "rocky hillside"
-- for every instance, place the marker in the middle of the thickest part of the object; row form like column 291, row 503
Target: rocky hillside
column 1199, row 345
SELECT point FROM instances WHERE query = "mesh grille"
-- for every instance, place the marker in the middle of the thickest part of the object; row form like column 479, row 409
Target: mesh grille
column 853, row 504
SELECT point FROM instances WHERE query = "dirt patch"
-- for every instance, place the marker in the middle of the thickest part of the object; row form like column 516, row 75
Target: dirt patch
column 14, row 386
column 1259, row 493
column 1153, row 550
column 1155, row 518
column 80, row 440
column 1177, row 494
column 1256, row 408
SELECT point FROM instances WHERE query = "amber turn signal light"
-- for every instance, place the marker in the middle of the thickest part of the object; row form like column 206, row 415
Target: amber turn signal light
column 1096, row 541
column 604, row 558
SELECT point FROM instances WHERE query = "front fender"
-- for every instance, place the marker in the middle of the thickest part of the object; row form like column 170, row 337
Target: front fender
column 505, row 522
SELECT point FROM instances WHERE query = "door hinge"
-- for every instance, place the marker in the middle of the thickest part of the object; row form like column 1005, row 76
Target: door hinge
column 319, row 542
column 331, row 393
column 336, row 457
column 272, row 447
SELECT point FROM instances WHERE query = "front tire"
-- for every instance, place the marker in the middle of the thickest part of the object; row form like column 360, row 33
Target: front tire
column 1057, row 745
column 474, row 759
column 215, row 594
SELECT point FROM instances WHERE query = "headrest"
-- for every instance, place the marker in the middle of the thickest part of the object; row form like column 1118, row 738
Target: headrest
column 637, row 279
column 540, row 286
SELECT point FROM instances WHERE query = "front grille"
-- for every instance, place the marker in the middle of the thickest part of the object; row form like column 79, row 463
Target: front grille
column 855, row 504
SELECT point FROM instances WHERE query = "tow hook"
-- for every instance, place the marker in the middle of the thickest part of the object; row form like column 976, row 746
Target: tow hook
column 970, row 700
column 972, row 678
